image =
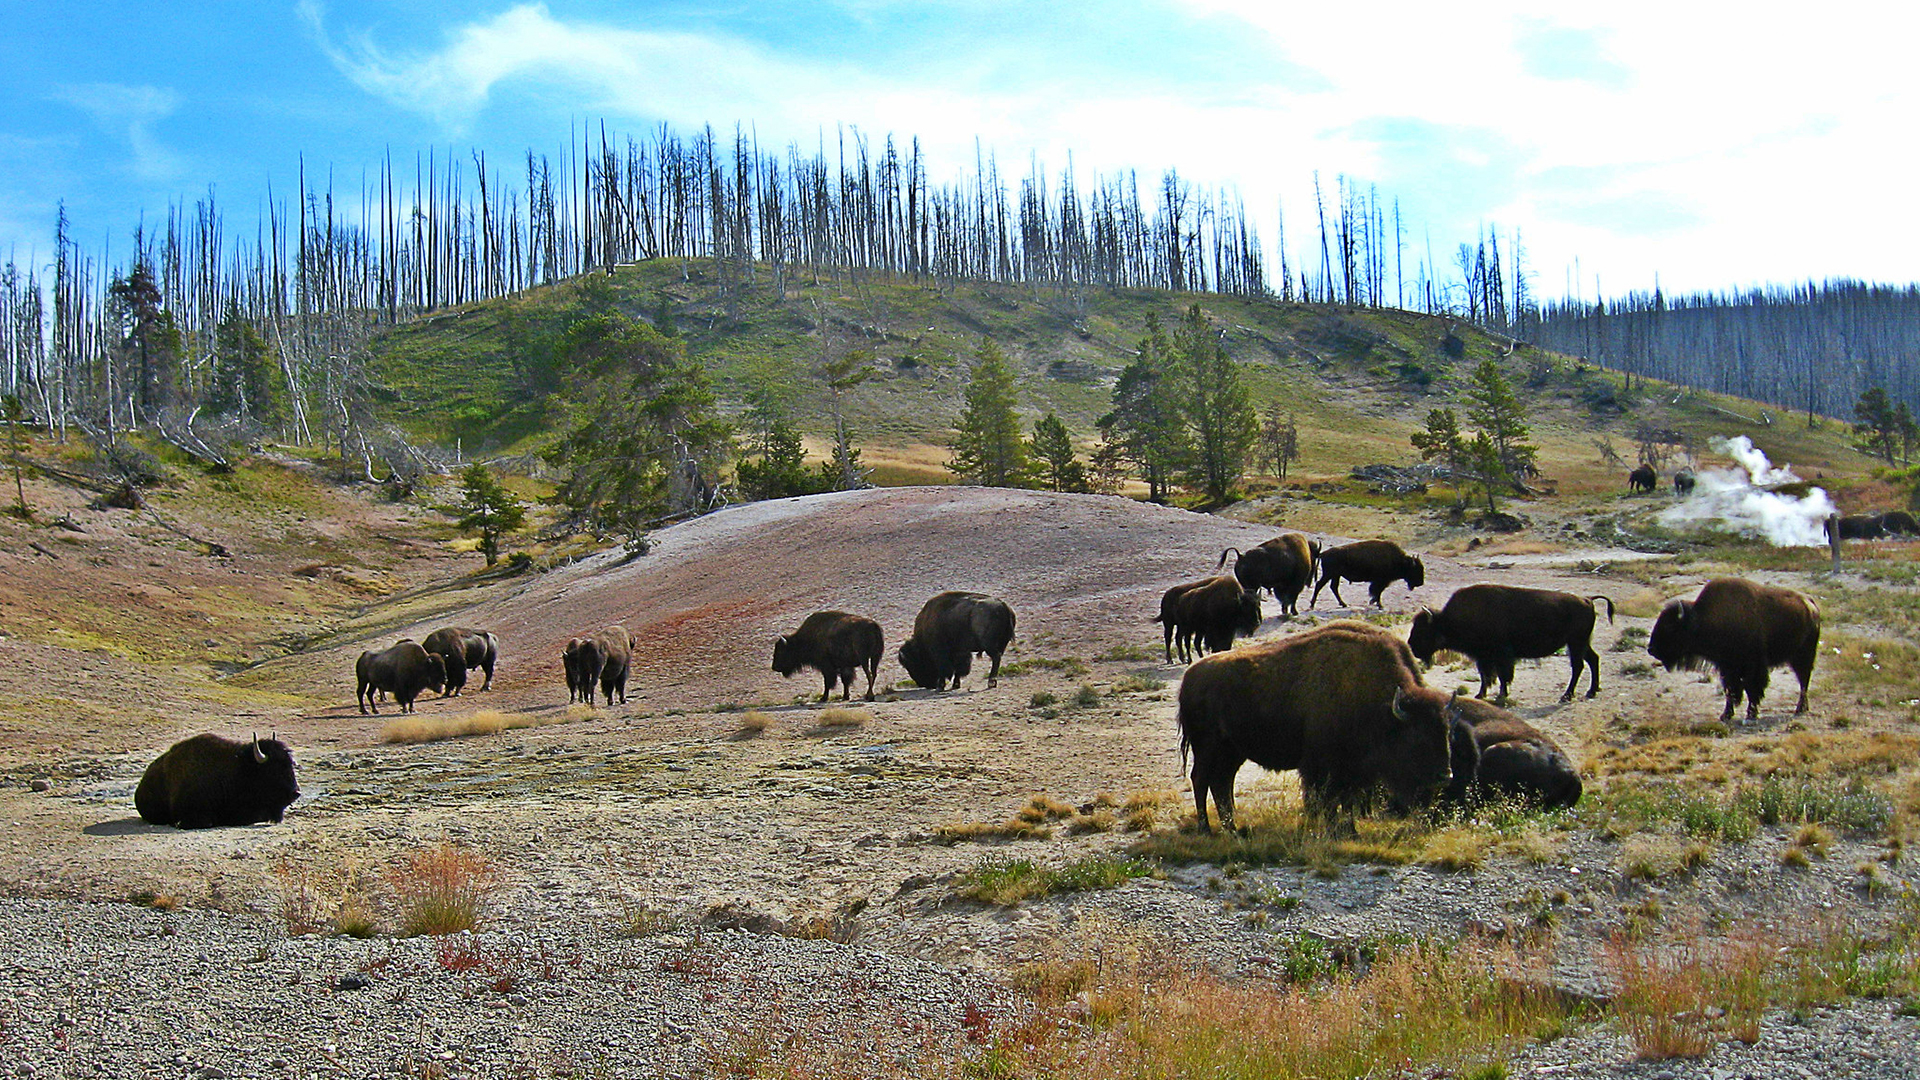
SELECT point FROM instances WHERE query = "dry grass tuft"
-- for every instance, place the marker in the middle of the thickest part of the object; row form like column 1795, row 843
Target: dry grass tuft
column 842, row 718
column 157, row 901
column 442, row 889
column 414, row 728
column 1457, row 848
column 755, row 722
column 1649, row 858
column 1011, row 829
column 1044, row 808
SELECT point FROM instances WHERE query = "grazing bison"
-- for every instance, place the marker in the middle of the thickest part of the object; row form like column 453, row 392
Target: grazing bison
column 460, row 650
column 1215, row 611
column 1497, row 624
column 1643, row 479
column 1284, row 565
column 602, row 661
column 1683, row 482
column 1744, row 630
column 1899, row 523
column 1343, row 704
column 208, row 781
column 403, row 670
column 1515, row 760
column 1379, row 563
column 948, row 631
column 836, row 645
column 1859, row 527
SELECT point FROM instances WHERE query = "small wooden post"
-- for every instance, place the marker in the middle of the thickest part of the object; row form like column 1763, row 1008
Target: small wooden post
column 1833, row 539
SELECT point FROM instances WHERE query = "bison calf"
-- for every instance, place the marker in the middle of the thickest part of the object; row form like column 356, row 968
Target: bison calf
column 404, row 670
column 1743, row 630
column 1496, row 624
column 1343, row 704
column 460, row 650
column 949, row 630
column 1515, row 760
column 836, row 645
column 208, row 781
column 1379, row 563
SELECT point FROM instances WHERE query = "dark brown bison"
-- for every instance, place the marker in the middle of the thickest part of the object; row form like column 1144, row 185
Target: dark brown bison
column 578, row 689
column 1899, row 523
column 1343, row 704
column 208, row 781
column 1497, row 624
column 405, row 670
column 1514, row 760
column 461, row 649
column 949, row 630
column 836, row 645
column 1858, row 527
column 1283, row 565
column 602, row 661
column 1213, row 611
column 1643, row 479
column 1379, row 563
column 1743, row 630
column 1683, row 482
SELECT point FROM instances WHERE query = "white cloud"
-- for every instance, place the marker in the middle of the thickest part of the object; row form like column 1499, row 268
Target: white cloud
column 130, row 112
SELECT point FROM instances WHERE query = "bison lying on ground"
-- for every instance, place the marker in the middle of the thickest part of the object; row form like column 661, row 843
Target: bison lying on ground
column 1515, row 760
column 948, row 631
column 1379, row 563
column 1343, row 704
column 207, row 781
column 836, row 645
column 403, row 670
column 1496, row 624
column 1744, row 630
column 602, row 660
column 1215, row 611
column 1284, row 565
column 1643, row 479
column 461, row 649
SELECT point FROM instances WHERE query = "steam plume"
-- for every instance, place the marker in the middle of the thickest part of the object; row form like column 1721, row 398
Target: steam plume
column 1739, row 499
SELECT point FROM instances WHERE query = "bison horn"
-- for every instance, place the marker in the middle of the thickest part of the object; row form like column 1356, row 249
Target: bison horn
column 259, row 755
column 1399, row 704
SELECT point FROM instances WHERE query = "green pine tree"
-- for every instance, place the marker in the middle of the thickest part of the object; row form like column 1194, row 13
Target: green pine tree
column 781, row 469
column 1218, row 410
column 490, row 509
column 1051, row 449
column 1496, row 411
column 988, row 449
column 1876, row 422
column 1147, row 428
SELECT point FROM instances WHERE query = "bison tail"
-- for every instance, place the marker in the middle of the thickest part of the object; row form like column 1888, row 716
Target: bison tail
column 1235, row 552
column 1609, row 601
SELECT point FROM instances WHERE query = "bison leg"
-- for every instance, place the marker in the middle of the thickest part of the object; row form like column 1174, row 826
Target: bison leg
column 993, row 673
column 830, row 674
column 1215, row 776
column 488, row 685
column 1488, row 673
column 1593, row 670
column 873, row 669
column 1756, row 689
column 1166, row 633
column 1337, row 598
column 846, row 684
column 1506, row 678
column 1377, row 590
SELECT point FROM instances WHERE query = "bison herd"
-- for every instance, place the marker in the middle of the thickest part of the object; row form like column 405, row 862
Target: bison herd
column 1343, row 704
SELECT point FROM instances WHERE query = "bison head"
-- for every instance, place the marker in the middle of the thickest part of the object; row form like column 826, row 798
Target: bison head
column 783, row 658
column 918, row 660
column 266, row 776
column 1671, row 642
column 437, row 671
column 1424, row 637
column 1416, row 757
column 1247, row 620
column 1416, row 575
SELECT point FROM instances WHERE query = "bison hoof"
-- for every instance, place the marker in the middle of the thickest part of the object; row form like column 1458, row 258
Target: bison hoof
column 1564, row 698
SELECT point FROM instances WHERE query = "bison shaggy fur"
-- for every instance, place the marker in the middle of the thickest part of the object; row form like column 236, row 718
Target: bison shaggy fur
column 1497, row 624
column 1643, row 479
column 405, row 670
column 602, row 660
column 1283, row 565
column 1213, row 611
column 209, row 781
column 836, row 645
column 949, row 630
column 1743, row 630
column 1515, row 760
column 461, row 649
column 1379, row 563
column 1343, row 704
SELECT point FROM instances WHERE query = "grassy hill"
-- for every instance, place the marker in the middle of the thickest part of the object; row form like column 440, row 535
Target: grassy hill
column 1360, row 380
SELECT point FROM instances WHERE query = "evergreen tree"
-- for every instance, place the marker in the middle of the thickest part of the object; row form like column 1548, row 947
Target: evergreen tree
column 987, row 448
column 1051, row 450
column 646, row 441
column 1146, row 427
column 780, row 471
column 1876, row 422
column 1217, row 408
column 150, row 342
column 489, row 509
column 14, row 412
column 844, row 472
column 1496, row 411
column 245, row 377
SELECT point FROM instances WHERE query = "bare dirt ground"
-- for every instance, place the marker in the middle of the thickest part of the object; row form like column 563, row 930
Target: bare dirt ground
column 670, row 805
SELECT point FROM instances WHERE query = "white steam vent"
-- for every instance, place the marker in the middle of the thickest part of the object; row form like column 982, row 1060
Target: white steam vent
column 1740, row 500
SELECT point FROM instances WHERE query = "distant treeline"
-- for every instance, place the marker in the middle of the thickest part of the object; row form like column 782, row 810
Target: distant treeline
column 1813, row 348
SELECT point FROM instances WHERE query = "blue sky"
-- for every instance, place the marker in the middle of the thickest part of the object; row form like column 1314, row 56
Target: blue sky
column 1670, row 139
